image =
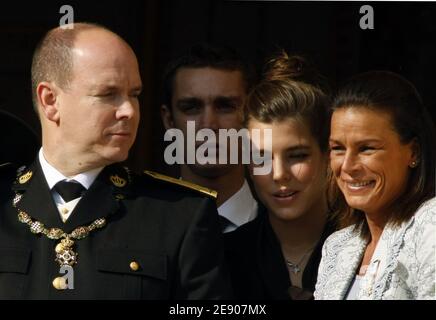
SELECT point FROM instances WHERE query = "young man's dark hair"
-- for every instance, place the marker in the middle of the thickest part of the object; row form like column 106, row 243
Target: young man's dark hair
column 203, row 55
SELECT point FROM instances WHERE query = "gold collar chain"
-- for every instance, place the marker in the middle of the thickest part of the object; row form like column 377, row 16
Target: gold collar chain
column 65, row 255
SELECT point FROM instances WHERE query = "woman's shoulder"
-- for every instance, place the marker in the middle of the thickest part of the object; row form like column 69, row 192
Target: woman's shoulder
column 426, row 210
column 422, row 227
column 415, row 252
column 342, row 235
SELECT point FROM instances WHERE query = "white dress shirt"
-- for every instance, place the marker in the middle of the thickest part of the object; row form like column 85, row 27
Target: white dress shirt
column 53, row 176
column 239, row 209
column 355, row 288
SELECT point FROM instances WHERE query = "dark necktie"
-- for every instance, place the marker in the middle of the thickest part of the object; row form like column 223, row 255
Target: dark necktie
column 69, row 190
column 224, row 222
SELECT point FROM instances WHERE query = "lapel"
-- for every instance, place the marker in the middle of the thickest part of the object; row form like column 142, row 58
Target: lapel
column 349, row 250
column 354, row 255
column 271, row 261
column 37, row 200
column 102, row 199
column 311, row 270
column 387, row 251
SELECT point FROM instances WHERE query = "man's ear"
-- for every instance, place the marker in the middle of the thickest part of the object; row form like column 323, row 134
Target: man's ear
column 167, row 117
column 47, row 94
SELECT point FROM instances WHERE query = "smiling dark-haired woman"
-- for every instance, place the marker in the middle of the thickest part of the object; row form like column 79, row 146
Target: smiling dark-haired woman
column 382, row 156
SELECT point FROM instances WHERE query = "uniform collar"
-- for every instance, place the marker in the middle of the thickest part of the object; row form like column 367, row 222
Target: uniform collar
column 241, row 207
column 33, row 196
column 53, row 176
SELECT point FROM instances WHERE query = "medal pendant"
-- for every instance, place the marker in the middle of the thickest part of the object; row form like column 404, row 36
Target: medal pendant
column 65, row 255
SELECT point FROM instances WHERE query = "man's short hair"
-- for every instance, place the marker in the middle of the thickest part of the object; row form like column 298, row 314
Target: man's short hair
column 53, row 59
column 205, row 55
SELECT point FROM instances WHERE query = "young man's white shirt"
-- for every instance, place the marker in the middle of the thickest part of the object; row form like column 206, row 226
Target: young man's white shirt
column 239, row 209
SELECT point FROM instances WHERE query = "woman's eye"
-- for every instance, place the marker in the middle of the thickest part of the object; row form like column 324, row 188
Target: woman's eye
column 105, row 94
column 336, row 148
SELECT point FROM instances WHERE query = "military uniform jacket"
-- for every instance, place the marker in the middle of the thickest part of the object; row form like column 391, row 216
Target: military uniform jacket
column 169, row 232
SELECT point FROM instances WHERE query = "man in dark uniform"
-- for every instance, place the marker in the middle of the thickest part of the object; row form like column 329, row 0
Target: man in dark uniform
column 74, row 224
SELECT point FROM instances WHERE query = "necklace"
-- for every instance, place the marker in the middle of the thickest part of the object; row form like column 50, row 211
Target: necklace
column 295, row 267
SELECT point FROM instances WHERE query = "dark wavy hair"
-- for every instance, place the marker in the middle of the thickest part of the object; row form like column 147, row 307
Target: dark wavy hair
column 203, row 55
column 387, row 92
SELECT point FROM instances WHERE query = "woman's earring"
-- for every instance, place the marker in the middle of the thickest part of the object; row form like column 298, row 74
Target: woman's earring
column 413, row 164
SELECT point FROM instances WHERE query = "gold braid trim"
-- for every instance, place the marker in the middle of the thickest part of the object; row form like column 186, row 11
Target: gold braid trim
column 187, row 184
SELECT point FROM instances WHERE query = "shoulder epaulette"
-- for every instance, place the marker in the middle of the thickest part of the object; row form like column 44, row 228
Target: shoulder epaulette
column 7, row 166
column 3, row 165
column 190, row 185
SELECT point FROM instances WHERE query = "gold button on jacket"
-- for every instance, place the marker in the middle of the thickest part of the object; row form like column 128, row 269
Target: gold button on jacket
column 134, row 266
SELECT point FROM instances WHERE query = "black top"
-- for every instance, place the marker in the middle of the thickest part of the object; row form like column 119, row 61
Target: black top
column 257, row 266
column 161, row 240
